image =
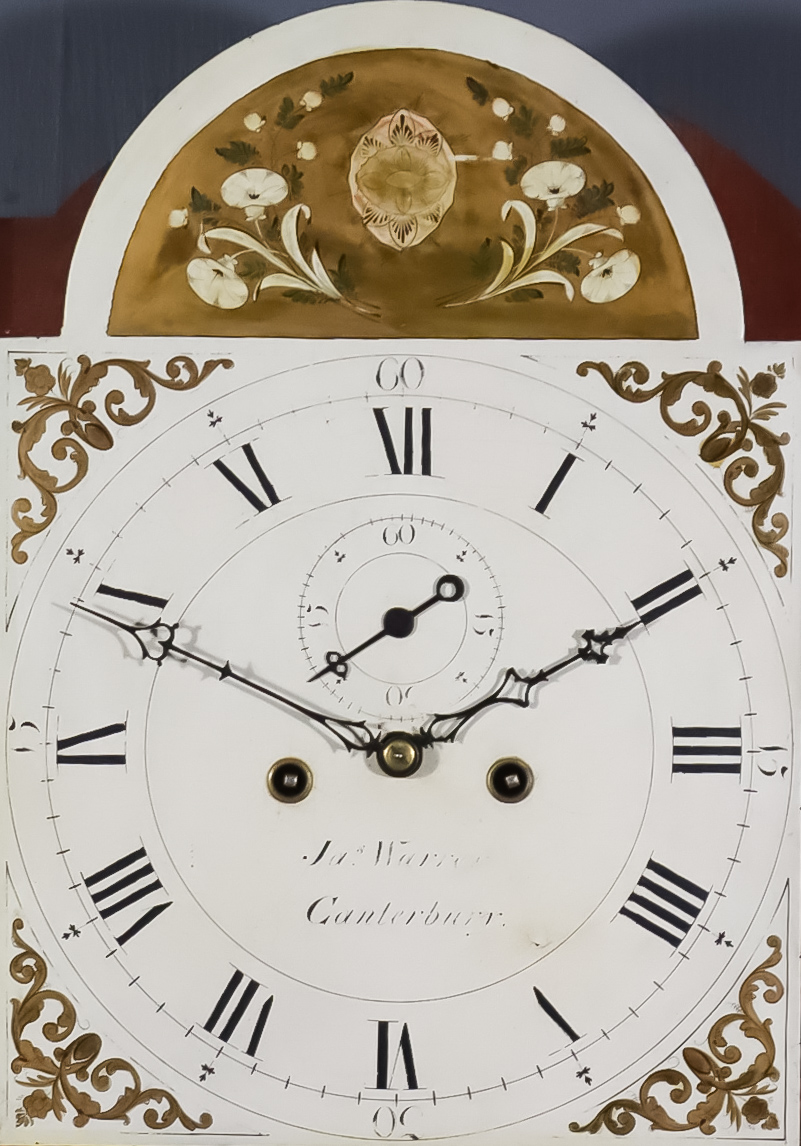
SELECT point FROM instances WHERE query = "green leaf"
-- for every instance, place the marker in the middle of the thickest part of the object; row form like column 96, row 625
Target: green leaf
column 199, row 202
column 592, row 199
column 518, row 238
column 237, row 151
column 251, row 266
column 569, row 146
column 306, row 296
column 484, row 260
column 565, row 262
column 515, row 170
column 525, row 294
column 477, row 91
column 294, row 179
column 342, row 278
column 288, row 115
column 272, row 230
column 522, row 121
column 335, row 85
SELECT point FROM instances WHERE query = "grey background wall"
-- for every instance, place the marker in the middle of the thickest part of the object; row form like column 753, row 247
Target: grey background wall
column 77, row 76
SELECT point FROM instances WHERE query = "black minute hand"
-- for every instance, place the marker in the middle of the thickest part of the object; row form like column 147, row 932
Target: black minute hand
column 516, row 689
column 157, row 642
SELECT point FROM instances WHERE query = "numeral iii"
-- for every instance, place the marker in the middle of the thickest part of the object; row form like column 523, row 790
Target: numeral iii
column 711, row 750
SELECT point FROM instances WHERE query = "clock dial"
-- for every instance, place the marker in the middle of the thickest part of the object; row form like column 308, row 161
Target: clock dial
column 484, row 572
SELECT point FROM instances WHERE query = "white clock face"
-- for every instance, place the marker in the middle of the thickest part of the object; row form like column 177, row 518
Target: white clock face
column 479, row 567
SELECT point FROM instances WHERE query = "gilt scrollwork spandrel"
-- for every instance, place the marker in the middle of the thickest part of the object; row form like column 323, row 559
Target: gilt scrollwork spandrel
column 733, row 433
column 743, row 1097
column 61, row 405
column 69, row 1079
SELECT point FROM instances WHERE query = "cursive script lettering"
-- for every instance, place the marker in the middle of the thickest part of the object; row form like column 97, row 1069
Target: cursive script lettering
column 386, row 854
column 327, row 910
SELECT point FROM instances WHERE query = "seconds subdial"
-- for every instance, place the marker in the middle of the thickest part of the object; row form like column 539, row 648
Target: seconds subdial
column 384, row 569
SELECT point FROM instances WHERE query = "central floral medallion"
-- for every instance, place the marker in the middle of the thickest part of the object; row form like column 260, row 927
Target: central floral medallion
column 402, row 179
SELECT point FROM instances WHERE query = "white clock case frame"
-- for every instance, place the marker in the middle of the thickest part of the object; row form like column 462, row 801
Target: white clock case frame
column 550, row 61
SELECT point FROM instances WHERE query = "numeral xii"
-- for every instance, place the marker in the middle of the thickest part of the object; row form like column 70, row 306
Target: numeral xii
column 405, row 464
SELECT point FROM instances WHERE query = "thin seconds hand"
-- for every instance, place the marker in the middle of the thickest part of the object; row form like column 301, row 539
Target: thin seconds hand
column 398, row 622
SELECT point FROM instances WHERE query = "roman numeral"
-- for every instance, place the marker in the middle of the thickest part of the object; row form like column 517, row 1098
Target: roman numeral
column 111, row 895
column 668, row 595
column 131, row 595
column 409, row 446
column 655, row 889
column 555, row 482
column 90, row 757
column 249, row 494
column 386, row 1071
column 231, row 1008
column 552, row 1013
column 710, row 750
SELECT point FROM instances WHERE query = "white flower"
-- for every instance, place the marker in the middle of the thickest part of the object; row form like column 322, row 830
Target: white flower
column 311, row 100
column 628, row 214
column 502, row 150
column 553, row 181
column 178, row 218
column 612, row 277
column 255, row 186
column 217, row 283
column 254, row 121
column 306, row 151
column 254, row 212
column 501, row 108
column 556, row 124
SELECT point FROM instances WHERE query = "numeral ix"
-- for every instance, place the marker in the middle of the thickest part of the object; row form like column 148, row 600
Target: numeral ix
column 108, row 730
column 410, row 453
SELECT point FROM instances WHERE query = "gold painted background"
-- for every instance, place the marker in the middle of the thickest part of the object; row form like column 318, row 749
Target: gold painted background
column 403, row 292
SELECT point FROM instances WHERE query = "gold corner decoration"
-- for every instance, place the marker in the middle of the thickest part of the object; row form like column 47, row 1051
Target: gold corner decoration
column 742, row 1096
column 738, row 430
column 53, row 1079
column 65, row 398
